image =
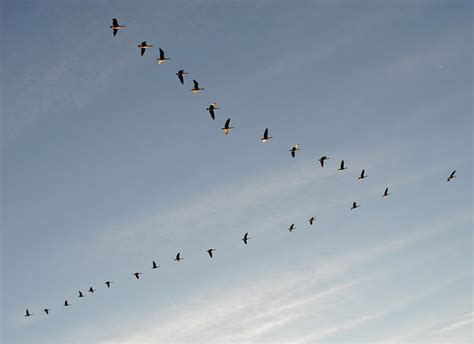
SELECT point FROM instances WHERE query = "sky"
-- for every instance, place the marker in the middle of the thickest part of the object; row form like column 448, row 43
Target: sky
column 108, row 163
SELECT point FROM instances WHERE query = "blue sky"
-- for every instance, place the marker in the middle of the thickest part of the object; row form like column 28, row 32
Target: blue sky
column 108, row 163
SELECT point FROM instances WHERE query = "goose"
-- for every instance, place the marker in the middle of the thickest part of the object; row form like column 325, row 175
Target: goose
column 178, row 257
column 386, row 193
column 294, row 149
column 211, row 109
column 290, row 229
column 311, row 220
column 46, row 310
column 451, row 176
column 81, row 294
column 196, row 88
column 27, row 313
column 210, row 251
column 227, row 128
column 322, row 159
column 180, row 75
column 91, row 290
column 108, row 283
column 143, row 47
column 362, row 175
column 341, row 167
column 355, row 205
column 116, row 26
column 162, row 59
column 265, row 137
column 66, row 304
column 246, row 238
column 154, row 266
column 137, row 275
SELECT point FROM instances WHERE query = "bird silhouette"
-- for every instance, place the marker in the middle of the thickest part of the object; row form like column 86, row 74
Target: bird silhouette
column 154, row 266
column 143, row 47
column 362, row 175
column 108, row 283
column 116, row 26
column 292, row 226
column 294, row 149
column 178, row 257
column 66, row 304
column 227, row 127
column 265, row 137
column 137, row 274
column 81, row 294
column 386, row 193
column 210, row 251
column 246, row 238
column 162, row 59
column 341, row 167
column 46, row 310
column 354, row 205
column 311, row 220
column 91, row 290
column 452, row 175
column 322, row 160
column 27, row 313
column 211, row 109
column 180, row 75
column 196, row 88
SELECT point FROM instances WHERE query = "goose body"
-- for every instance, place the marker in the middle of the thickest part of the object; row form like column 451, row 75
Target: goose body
column 137, row 275
column 452, row 175
column 180, row 75
column 116, row 26
column 162, row 59
column 322, row 160
column 294, row 149
column 355, row 205
column 362, row 175
column 143, row 47
column 342, row 167
column 245, row 238
column 265, row 137
column 154, row 266
column 291, row 228
column 311, row 220
column 227, row 127
column 210, row 251
column 108, row 283
column 211, row 109
column 178, row 257
column 27, row 313
column 386, row 193
column 196, row 88
column 46, row 310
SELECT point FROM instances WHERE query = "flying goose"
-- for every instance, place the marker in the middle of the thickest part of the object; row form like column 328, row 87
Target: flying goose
column 246, row 238
column 211, row 109
column 322, row 159
column 362, row 175
column 265, row 137
column 46, row 310
column 355, row 205
column 91, row 290
column 108, row 283
column 154, row 266
column 227, row 128
column 451, row 176
column 27, row 313
column 386, row 193
column 290, row 229
column 143, row 47
column 210, row 251
column 341, row 167
column 294, row 149
column 178, row 257
column 180, row 75
column 137, row 275
column 311, row 220
column 66, row 304
column 116, row 26
column 81, row 294
column 162, row 59
column 196, row 88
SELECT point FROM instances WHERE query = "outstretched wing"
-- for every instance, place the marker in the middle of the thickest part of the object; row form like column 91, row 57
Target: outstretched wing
column 142, row 51
column 162, row 54
column 181, row 78
column 196, row 84
column 115, row 31
column 115, row 22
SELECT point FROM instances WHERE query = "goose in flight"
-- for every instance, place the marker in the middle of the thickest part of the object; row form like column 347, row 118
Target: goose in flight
column 137, row 275
column 322, row 160
column 355, row 205
column 66, row 304
column 178, row 257
column 116, row 26
column 108, row 283
column 46, row 310
column 311, row 220
column 81, row 294
column 211, row 109
column 342, row 167
column 362, row 175
column 265, row 137
column 227, row 127
column 210, row 251
column 143, row 47
column 386, row 193
column 452, row 175
column 154, row 266
column 91, row 290
column 196, row 88
column 27, row 313
column 246, row 238
column 180, row 75
column 294, row 149
column 162, row 59
column 290, row 229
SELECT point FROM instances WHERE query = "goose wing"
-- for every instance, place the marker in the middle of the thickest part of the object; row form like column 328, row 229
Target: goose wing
column 142, row 51
column 115, row 22
column 162, row 54
column 196, row 84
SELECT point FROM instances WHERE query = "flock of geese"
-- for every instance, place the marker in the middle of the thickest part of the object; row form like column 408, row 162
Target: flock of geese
column 226, row 130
